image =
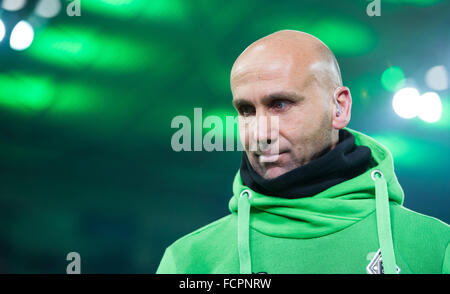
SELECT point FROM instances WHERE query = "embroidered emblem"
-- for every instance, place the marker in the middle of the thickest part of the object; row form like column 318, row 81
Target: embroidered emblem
column 375, row 266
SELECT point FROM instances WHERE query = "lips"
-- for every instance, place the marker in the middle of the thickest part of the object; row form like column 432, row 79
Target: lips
column 267, row 157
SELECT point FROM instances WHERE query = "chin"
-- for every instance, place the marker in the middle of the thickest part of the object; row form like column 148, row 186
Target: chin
column 274, row 172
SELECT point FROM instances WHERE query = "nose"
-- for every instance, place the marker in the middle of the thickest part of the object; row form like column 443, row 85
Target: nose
column 264, row 134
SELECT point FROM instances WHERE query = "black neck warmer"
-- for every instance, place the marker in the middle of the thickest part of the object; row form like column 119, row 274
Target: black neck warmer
column 345, row 161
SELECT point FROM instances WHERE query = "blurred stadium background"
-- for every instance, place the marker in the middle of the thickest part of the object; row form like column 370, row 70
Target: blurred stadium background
column 86, row 104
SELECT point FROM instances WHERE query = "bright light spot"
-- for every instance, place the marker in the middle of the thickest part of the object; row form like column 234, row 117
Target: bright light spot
column 2, row 30
column 393, row 78
column 21, row 36
column 48, row 8
column 430, row 107
column 408, row 103
column 405, row 102
column 437, row 78
column 13, row 5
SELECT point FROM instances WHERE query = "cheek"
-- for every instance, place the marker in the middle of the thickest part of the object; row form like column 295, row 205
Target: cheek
column 243, row 136
column 291, row 127
column 306, row 134
column 245, row 131
column 299, row 128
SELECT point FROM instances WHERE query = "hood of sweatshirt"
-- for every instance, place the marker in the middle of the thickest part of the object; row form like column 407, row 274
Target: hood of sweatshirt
column 328, row 211
column 325, row 213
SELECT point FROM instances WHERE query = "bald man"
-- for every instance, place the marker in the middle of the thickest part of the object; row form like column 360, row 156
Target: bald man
column 313, row 196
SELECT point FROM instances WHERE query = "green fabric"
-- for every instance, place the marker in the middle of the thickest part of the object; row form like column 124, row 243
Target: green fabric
column 384, row 224
column 335, row 231
column 446, row 263
column 243, row 233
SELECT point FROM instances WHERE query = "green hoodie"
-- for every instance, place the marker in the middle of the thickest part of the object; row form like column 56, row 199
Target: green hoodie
column 358, row 226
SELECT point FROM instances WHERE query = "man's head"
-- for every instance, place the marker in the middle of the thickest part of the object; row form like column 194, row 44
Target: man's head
column 294, row 77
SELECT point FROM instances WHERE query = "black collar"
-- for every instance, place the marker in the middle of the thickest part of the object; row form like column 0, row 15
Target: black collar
column 345, row 161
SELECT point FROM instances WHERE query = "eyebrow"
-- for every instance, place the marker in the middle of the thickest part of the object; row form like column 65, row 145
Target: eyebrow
column 268, row 98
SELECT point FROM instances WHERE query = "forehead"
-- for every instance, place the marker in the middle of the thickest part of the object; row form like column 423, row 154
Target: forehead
column 260, row 71
column 262, row 63
column 262, row 75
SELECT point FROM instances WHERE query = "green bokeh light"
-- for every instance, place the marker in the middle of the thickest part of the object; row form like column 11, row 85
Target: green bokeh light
column 393, row 78
column 344, row 37
column 411, row 152
column 76, row 98
column 161, row 10
column 26, row 92
column 84, row 47
column 29, row 93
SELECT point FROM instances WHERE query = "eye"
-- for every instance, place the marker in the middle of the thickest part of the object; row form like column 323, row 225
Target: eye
column 246, row 110
column 280, row 104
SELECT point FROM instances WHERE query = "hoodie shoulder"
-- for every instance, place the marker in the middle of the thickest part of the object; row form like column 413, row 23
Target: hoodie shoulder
column 419, row 222
column 420, row 240
column 206, row 232
column 199, row 251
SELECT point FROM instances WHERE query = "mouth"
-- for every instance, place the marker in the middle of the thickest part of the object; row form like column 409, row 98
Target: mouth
column 268, row 158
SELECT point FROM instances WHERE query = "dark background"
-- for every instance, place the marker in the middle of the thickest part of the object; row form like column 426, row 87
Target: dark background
column 86, row 163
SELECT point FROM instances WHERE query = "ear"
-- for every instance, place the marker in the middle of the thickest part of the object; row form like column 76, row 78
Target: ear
column 343, row 98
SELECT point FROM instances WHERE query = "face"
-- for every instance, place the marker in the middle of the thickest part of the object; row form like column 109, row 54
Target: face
column 271, row 91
